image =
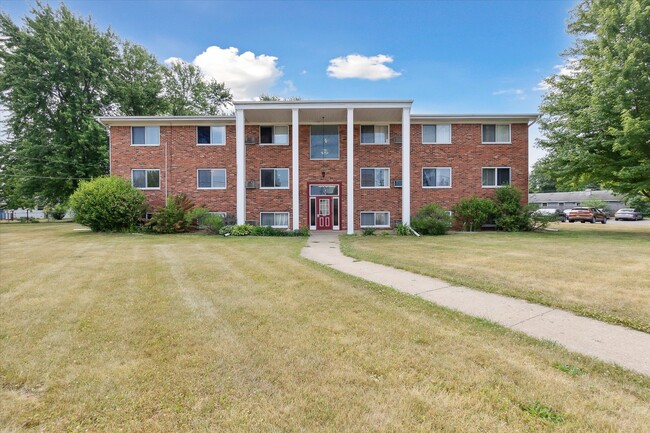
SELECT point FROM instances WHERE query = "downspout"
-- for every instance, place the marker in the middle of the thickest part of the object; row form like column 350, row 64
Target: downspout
column 171, row 135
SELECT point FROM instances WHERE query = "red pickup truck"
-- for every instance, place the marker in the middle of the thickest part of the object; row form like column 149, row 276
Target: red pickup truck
column 584, row 214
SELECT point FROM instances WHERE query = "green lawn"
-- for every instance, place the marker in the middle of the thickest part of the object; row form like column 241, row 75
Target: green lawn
column 198, row 333
column 600, row 271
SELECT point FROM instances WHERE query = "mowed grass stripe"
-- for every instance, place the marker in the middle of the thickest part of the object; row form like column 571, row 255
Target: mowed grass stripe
column 289, row 345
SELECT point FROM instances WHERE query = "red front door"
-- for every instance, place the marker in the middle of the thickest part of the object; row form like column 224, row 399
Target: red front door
column 324, row 213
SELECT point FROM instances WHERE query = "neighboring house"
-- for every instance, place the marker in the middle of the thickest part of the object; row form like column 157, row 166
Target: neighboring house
column 288, row 164
column 14, row 214
column 568, row 200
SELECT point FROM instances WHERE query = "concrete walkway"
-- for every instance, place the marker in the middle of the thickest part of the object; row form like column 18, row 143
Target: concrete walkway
column 625, row 347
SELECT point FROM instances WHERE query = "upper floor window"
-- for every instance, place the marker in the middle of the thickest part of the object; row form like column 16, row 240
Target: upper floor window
column 211, row 135
column 211, row 178
column 274, row 178
column 324, row 142
column 375, row 178
column 496, row 133
column 495, row 177
column 145, row 135
column 274, row 135
column 436, row 177
column 146, row 178
column 374, row 134
column 436, row 134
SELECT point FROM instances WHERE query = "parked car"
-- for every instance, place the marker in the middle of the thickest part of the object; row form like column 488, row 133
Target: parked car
column 628, row 214
column 556, row 213
column 584, row 214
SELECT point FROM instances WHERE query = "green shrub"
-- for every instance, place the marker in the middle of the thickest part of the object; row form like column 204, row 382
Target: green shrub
column 431, row 219
column 368, row 231
column 226, row 230
column 107, row 204
column 403, row 230
column 57, row 211
column 241, row 230
column 511, row 216
column 211, row 222
column 177, row 216
column 471, row 213
column 28, row 220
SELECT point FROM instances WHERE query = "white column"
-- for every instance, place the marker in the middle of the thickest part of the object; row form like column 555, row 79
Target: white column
column 241, row 167
column 295, row 175
column 406, row 166
column 350, row 181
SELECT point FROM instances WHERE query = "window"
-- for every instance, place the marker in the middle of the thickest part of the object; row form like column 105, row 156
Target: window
column 436, row 177
column 211, row 135
column 496, row 133
column 374, row 134
column 375, row 219
column 145, row 136
column 496, row 176
column 375, row 178
column 324, row 143
column 146, row 179
column 274, row 135
column 274, row 178
column 278, row 220
column 436, row 134
column 211, row 178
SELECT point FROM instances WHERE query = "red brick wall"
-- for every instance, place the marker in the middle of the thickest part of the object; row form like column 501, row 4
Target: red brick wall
column 466, row 156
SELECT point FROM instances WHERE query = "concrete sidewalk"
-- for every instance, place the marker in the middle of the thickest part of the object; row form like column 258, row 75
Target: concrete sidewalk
column 625, row 347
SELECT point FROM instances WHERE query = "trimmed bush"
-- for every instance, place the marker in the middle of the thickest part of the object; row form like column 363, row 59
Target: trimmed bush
column 107, row 204
column 473, row 212
column 177, row 216
column 212, row 223
column 432, row 219
column 246, row 230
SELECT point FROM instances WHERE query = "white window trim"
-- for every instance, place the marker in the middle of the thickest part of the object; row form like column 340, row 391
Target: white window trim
column 375, row 218
column 276, row 187
column 225, row 173
column 375, row 143
column 146, row 169
column 145, row 145
column 438, row 142
column 275, row 213
column 495, row 177
column 273, row 135
column 211, row 144
column 338, row 137
column 497, row 142
column 374, row 187
column 441, row 187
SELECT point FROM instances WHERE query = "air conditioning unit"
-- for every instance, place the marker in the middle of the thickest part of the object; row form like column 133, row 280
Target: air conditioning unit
column 397, row 183
column 251, row 222
column 251, row 184
column 397, row 139
column 250, row 140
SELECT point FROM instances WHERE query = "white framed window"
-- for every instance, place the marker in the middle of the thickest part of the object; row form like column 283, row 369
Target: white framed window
column 211, row 178
column 274, row 178
column 277, row 220
column 436, row 177
column 496, row 134
column 494, row 177
column 145, row 136
column 375, row 219
column 211, row 135
column 375, row 177
column 324, row 142
column 374, row 134
column 147, row 178
column 278, row 135
column 436, row 134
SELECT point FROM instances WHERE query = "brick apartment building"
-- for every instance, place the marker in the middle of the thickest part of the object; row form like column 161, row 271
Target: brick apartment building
column 290, row 164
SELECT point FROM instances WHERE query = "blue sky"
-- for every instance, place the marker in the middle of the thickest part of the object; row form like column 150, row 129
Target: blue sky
column 477, row 56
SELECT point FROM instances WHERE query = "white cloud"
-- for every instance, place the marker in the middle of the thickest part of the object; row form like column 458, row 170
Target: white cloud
column 517, row 93
column 247, row 75
column 289, row 87
column 568, row 69
column 358, row 66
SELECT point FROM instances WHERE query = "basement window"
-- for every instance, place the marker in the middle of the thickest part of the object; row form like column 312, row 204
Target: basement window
column 375, row 219
column 278, row 220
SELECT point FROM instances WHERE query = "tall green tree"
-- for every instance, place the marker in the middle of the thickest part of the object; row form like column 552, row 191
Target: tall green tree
column 54, row 78
column 187, row 92
column 596, row 116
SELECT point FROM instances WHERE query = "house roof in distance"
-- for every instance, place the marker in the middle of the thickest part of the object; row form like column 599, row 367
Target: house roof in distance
column 575, row 196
